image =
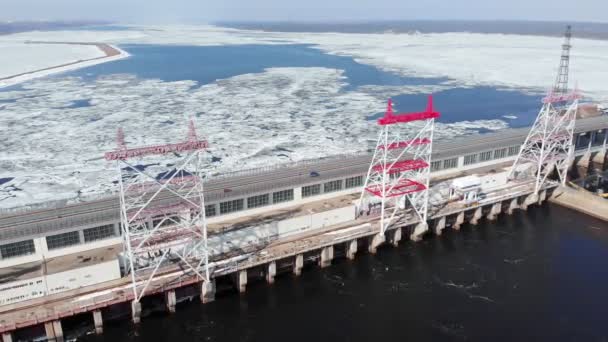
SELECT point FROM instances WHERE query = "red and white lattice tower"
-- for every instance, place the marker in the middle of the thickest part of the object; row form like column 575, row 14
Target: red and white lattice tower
column 398, row 177
column 549, row 147
column 162, row 214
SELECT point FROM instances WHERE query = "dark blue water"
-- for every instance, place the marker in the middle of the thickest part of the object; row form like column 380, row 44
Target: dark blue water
column 206, row 64
column 479, row 103
column 540, row 275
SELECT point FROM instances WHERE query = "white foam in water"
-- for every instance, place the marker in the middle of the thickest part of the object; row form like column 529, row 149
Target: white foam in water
column 251, row 120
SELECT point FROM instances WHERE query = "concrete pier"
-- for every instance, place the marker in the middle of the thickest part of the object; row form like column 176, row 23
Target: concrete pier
column 599, row 161
column 208, row 291
column 327, row 255
column 298, row 263
column 98, row 321
column 7, row 337
column 542, row 197
column 170, row 301
column 459, row 221
column 396, row 237
column 530, row 199
column 495, row 210
column 351, row 249
column 512, row 206
column 241, row 281
column 376, row 241
column 136, row 311
column 54, row 331
column 419, row 231
column 476, row 216
column 439, row 225
column 271, row 272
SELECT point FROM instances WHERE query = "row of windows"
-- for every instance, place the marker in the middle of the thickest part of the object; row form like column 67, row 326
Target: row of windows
column 62, row 240
column 15, row 249
column 444, row 164
column 490, row 155
column 311, row 190
column 22, row 248
column 332, row 186
column 231, row 206
column 99, row 233
column 282, row 196
column 258, row 201
column 353, row 182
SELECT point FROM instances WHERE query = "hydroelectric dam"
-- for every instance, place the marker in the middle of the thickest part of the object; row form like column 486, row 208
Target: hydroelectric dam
column 178, row 234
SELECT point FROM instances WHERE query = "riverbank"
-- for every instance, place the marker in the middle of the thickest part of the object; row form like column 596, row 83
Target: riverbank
column 110, row 53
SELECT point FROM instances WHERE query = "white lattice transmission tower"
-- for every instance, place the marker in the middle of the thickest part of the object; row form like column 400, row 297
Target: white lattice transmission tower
column 399, row 173
column 162, row 214
column 548, row 148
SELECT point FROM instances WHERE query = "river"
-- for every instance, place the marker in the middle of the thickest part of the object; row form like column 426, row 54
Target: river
column 539, row 275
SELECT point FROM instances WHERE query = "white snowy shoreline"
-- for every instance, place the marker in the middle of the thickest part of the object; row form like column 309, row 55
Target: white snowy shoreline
column 69, row 66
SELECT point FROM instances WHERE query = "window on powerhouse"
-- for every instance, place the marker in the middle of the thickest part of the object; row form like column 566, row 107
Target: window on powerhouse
column 470, row 159
column 311, row 190
column 282, row 196
column 15, row 249
column 436, row 165
column 450, row 163
column 99, row 233
column 485, row 156
column 353, row 182
column 258, row 201
column 210, row 210
column 62, row 240
column 231, row 206
column 513, row 150
column 332, row 186
column 498, row 154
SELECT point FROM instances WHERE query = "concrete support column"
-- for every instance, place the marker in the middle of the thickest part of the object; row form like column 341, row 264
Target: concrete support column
column 439, row 225
column 271, row 271
column 54, row 331
column 241, row 281
column 396, row 237
column 327, row 255
column 208, row 291
column 98, row 321
column 351, row 249
column 495, row 211
column 376, row 241
column 419, row 231
column 459, row 221
column 512, row 206
column 530, row 199
column 7, row 337
column 599, row 160
column 542, row 197
column 476, row 216
column 170, row 301
column 136, row 311
column 298, row 263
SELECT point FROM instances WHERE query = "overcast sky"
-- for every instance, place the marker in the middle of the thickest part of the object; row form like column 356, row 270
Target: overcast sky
column 197, row 11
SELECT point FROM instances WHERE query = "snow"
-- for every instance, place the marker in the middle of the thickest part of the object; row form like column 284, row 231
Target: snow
column 21, row 61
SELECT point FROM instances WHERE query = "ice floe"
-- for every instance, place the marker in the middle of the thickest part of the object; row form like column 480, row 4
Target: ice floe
column 53, row 150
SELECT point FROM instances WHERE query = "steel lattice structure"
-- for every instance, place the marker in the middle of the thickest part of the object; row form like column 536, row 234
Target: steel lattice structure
column 549, row 146
column 400, row 168
column 162, row 215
